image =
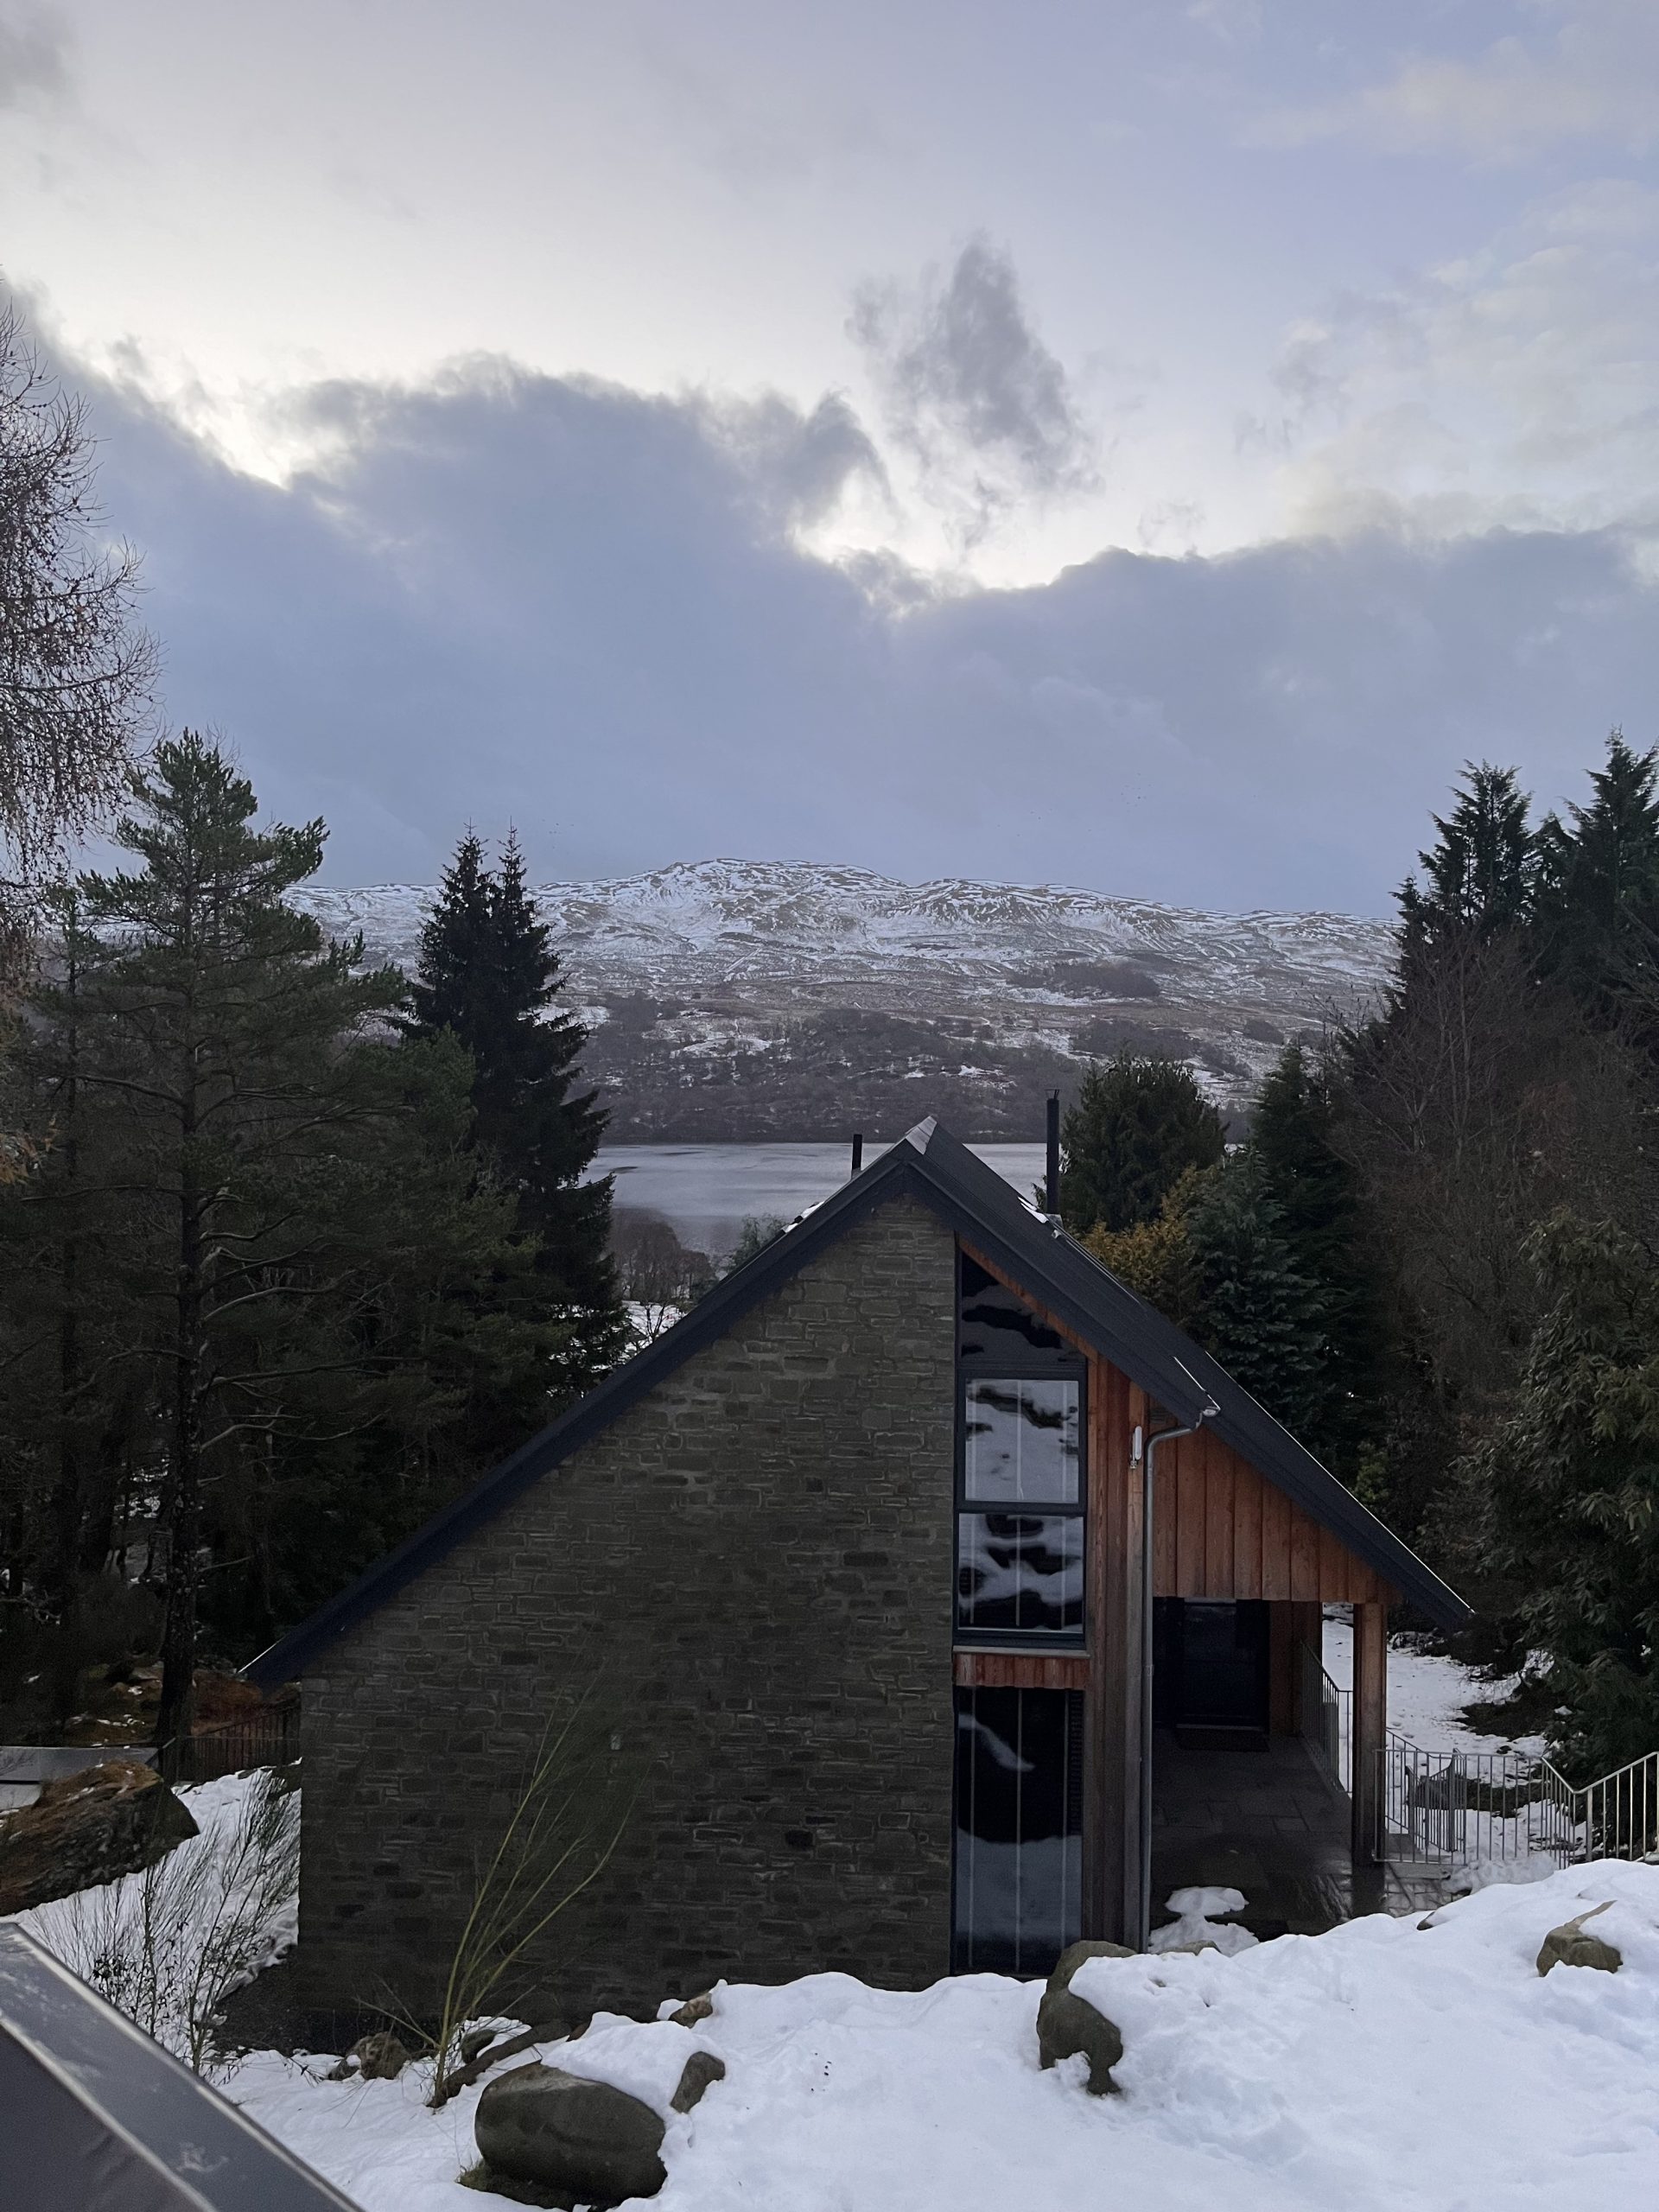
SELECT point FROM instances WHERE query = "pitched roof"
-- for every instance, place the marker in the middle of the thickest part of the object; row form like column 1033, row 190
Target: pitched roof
column 1053, row 1270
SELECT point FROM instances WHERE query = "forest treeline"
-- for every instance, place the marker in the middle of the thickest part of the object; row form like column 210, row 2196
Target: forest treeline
column 291, row 1249
column 1436, row 1255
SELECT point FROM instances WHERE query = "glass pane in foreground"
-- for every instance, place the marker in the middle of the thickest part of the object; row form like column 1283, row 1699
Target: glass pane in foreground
column 1018, row 1829
column 1019, row 1440
column 1019, row 1574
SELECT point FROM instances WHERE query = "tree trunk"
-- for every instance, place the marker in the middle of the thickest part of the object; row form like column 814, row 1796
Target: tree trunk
column 63, row 1565
column 183, row 1495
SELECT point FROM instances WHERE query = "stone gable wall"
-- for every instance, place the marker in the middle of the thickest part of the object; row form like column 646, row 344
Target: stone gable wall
column 758, row 1557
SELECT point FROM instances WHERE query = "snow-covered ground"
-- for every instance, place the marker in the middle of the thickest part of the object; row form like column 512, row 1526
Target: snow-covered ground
column 1427, row 1695
column 167, row 1946
column 1389, row 2065
column 1407, row 2065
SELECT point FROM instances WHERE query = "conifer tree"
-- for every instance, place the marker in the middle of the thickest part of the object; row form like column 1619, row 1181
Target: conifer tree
column 489, row 974
column 1598, row 890
column 1572, row 1479
column 220, row 1012
column 1479, row 876
column 453, row 983
column 1258, row 1313
column 1294, row 1130
column 1138, row 1125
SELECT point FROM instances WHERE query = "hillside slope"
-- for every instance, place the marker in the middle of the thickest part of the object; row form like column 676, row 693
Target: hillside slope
column 744, row 1000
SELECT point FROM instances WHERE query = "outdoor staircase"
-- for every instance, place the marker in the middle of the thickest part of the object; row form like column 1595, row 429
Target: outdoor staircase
column 1442, row 1811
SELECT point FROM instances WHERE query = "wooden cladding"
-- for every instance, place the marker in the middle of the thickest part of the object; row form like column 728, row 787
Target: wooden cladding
column 1222, row 1531
column 1021, row 1670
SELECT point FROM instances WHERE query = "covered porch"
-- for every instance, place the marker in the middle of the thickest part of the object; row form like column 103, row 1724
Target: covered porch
column 1250, row 1784
column 1271, row 1822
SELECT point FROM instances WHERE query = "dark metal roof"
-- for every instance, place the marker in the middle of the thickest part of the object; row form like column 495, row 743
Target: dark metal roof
column 1055, row 1271
column 99, row 2119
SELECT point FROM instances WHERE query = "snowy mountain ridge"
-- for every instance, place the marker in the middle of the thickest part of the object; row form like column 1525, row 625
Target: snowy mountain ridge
column 804, row 991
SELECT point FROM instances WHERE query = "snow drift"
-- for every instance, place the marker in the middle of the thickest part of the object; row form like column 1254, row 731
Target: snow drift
column 1407, row 2065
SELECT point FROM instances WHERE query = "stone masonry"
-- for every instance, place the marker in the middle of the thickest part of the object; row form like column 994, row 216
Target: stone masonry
column 755, row 1559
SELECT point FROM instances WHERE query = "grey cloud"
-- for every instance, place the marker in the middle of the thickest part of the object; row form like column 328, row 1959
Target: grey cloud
column 800, row 465
column 34, row 59
column 971, row 389
column 516, row 596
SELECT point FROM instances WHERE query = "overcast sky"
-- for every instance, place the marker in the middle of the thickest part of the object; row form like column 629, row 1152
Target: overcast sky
column 1140, row 445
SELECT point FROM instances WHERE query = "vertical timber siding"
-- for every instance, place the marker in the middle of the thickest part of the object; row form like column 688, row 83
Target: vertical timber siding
column 759, row 1554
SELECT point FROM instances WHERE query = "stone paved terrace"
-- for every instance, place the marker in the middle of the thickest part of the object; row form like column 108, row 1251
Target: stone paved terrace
column 1268, row 1822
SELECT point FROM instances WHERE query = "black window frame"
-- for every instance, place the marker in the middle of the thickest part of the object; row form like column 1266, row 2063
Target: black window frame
column 1028, row 1363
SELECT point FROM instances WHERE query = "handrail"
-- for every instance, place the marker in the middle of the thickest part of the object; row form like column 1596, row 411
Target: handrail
column 1496, row 1807
column 1486, row 1806
column 1326, row 1717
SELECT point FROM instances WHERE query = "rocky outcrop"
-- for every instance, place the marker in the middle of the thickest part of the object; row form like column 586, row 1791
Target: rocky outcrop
column 1070, row 2027
column 569, row 2136
column 86, row 1829
column 1572, row 1945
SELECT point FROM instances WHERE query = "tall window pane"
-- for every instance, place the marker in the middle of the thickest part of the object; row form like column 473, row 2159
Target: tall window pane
column 1018, row 1829
column 1021, row 1444
column 1019, row 1574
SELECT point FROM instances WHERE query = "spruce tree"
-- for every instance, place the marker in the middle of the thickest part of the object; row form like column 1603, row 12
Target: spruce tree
column 1294, row 1141
column 453, row 985
column 489, row 974
column 1258, row 1313
column 1479, row 876
column 1598, row 890
column 1138, row 1125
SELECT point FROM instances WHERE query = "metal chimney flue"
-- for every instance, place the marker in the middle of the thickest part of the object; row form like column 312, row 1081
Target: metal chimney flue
column 1052, row 1178
column 858, row 1150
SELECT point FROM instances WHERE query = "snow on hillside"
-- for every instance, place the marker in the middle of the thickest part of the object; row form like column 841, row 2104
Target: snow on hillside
column 737, row 999
column 1388, row 2066
column 699, row 922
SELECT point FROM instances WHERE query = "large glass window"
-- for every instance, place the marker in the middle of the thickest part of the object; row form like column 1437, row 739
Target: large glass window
column 1020, row 1493
column 1018, row 1829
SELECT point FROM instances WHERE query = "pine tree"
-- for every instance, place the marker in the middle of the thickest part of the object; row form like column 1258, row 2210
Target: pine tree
column 220, row 1011
column 489, row 974
column 1572, row 1477
column 1138, row 1125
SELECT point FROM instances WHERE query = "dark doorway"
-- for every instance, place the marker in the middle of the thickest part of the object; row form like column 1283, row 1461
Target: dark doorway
column 1210, row 1679
column 1018, row 1876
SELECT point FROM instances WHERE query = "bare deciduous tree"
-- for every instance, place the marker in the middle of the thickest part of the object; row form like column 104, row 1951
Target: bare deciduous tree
column 76, row 670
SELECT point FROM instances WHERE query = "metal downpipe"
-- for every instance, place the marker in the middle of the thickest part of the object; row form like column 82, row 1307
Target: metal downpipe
column 1147, row 1497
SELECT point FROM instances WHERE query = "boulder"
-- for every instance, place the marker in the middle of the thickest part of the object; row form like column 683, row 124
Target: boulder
column 1068, row 2026
column 693, row 2010
column 701, row 2069
column 381, row 2057
column 86, row 1829
column 569, row 2136
column 1570, row 1945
